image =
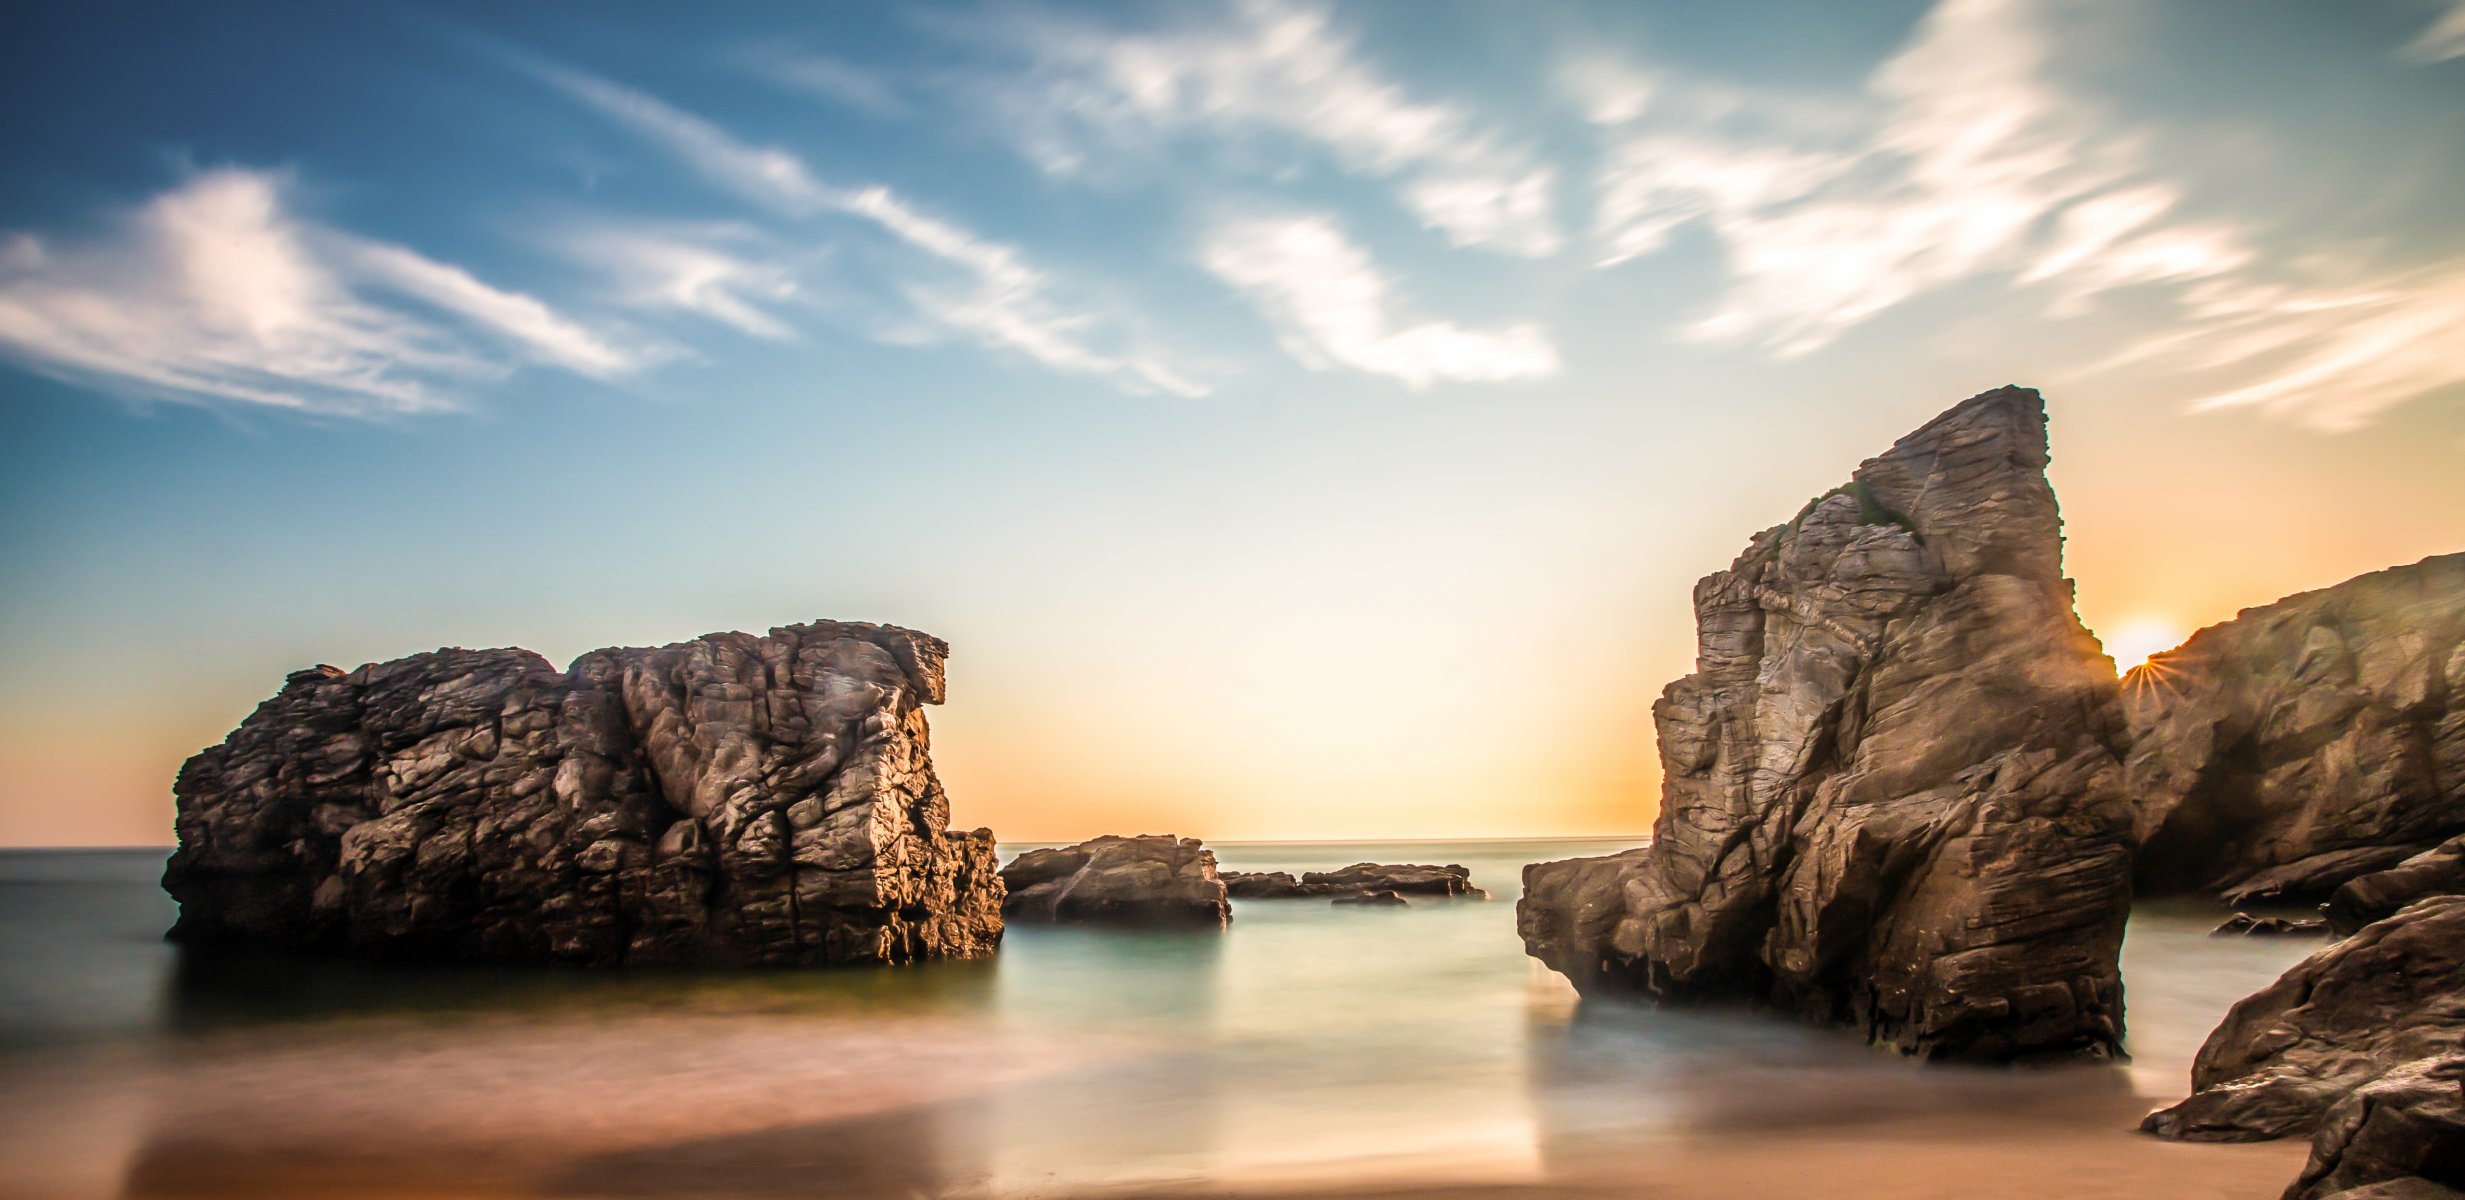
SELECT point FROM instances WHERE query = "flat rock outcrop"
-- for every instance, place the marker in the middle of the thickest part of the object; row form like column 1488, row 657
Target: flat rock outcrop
column 2439, row 871
column 2305, row 743
column 2358, row 1009
column 2398, row 1137
column 1892, row 789
column 729, row 800
column 1411, row 879
column 1156, row 879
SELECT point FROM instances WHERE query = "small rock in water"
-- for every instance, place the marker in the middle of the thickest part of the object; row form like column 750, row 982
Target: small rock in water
column 2243, row 924
column 1375, row 900
column 1157, row 879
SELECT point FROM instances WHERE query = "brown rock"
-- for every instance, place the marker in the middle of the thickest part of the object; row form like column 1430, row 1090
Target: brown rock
column 1152, row 880
column 1411, row 879
column 1891, row 790
column 2439, row 871
column 2305, row 743
column 2243, row 924
column 2356, row 1010
column 1374, row 900
column 2398, row 1137
column 1262, row 885
column 732, row 799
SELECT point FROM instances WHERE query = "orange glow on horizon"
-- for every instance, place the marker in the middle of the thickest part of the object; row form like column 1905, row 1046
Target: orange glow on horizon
column 2138, row 639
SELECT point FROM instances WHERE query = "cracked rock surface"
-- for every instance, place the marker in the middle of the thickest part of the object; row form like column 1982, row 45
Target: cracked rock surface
column 2305, row 743
column 1892, row 793
column 1156, row 879
column 729, row 800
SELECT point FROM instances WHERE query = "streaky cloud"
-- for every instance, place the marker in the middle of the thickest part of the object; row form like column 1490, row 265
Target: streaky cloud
column 216, row 291
column 1332, row 308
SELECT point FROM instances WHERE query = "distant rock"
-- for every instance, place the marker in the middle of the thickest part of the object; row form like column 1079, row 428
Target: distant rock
column 1156, row 879
column 731, row 799
column 2353, row 1012
column 2398, row 1137
column 1412, row 879
column 1374, row 900
column 2243, row 924
column 1892, row 793
column 2439, row 871
column 2305, row 743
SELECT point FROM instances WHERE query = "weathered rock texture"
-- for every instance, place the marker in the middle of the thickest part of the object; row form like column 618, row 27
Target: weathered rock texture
column 1892, row 788
column 2398, row 1137
column 2351, row 1013
column 1414, row 879
column 1157, row 879
column 2306, row 743
column 731, row 799
column 2439, row 871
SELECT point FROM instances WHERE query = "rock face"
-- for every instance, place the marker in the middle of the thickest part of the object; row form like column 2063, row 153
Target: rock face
column 1411, row 879
column 732, row 799
column 1892, row 789
column 1375, row 900
column 2399, row 1137
column 1157, row 879
column 2351, row 1013
column 2306, row 743
column 2439, row 871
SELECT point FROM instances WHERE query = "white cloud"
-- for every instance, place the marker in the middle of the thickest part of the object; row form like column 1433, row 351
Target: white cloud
column 1331, row 308
column 2444, row 40
column 831, row 79
column 215, row 290
column 997, row 298
column 1281, row 70
column 724, row 273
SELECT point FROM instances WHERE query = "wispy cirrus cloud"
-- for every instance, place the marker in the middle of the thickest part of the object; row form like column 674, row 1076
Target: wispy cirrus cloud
column 2443, row 40
column 216, row 290
column 1332, row 308
column 983, row 289
column 727, row 273
column 1283, row 71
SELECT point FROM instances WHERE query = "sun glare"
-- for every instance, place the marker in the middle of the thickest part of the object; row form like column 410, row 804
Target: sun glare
column 2135, row 640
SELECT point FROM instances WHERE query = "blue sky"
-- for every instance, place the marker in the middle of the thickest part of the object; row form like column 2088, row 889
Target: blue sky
column 1303, row 419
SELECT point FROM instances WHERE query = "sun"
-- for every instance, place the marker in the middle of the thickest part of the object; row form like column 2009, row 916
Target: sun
column 2136, row 639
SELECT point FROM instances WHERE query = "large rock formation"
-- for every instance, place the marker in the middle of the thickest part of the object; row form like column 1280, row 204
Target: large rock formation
column 2305, row 743
column 1359, row 879
column 1892, row 788
column 2439, row 871
column 2398, row 1137
column 732, row 799
column 1156, row 879
column 2356, row 1010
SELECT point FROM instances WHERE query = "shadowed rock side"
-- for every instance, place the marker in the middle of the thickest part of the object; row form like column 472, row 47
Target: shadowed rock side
column 2439, row 871
column 1156, row 879
column 1892, row 788
column 2306, row 743
column 2356, row 1010
column 1411, row 879
column 731, row 799
column 2399, row 1137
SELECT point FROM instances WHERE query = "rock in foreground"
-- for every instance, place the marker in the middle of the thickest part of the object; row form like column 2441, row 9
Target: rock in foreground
column 2439, row 871
column 2399, row 1137
column 1152, row 880
column 1892, row 788
column 2355, row 1011
column 2306, row 743
column 732, row 799
column 1411, row 879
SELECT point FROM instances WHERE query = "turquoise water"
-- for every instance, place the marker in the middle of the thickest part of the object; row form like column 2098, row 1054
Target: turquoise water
column 1308, row 1044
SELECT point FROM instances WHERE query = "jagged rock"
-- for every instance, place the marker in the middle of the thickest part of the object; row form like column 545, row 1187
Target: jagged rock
column 1407, row 878
column 2306, row 743
column 1892, row 789
column 2399, row 1137
column 2356, row 1010
column 1152, row 880
column 2439, row 871
column 2243, row 924
column 1374, row 900
column 731, row 799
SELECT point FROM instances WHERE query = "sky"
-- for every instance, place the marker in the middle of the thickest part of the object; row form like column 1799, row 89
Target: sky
column 1304, row 421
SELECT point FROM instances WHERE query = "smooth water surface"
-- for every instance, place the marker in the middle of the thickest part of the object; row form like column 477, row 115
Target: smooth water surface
column 1307, row 1048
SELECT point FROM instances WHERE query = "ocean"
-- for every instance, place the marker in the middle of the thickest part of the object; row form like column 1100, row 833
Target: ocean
column 1307, row 1050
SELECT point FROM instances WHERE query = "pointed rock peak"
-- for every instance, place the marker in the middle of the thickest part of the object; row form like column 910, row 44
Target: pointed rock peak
column 1972, row 484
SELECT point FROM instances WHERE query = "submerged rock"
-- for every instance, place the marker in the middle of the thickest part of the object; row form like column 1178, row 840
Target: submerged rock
column 1411, row 879
column 2358, row 1009
column 1892, row 788
column 1156, row 879
column 731, row 799
column 2398, row 1137
column 1374, row 900
column 2243, row 924
column 2305, row 743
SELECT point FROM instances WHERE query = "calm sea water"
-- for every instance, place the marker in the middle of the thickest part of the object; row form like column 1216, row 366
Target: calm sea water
column 1309, row 1046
